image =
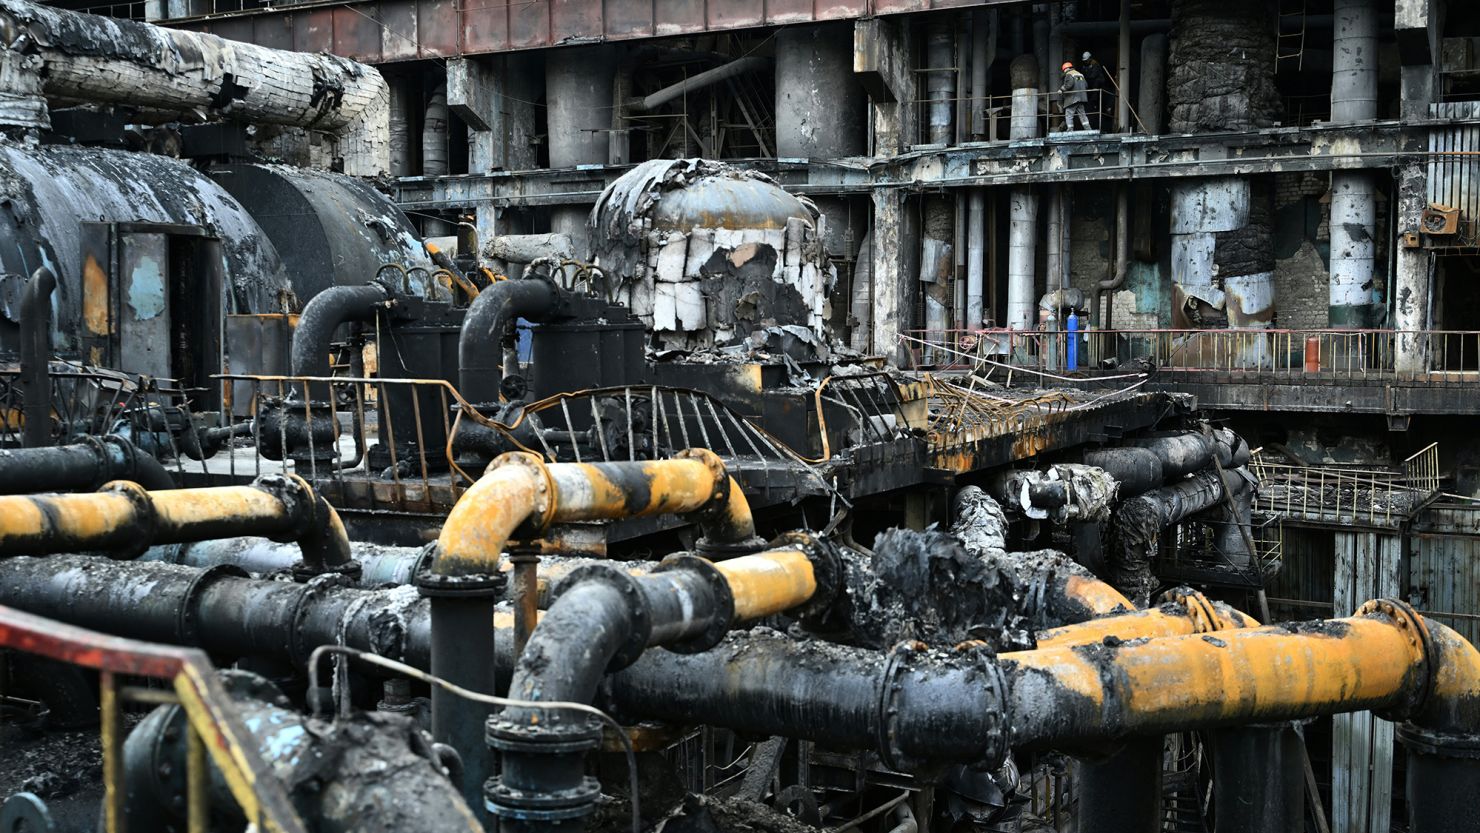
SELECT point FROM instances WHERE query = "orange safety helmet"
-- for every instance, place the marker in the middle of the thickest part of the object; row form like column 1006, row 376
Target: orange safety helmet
column 1068, row 65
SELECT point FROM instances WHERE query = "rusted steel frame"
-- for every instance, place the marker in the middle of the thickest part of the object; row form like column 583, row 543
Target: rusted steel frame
column 126, row 518
column 520, row 491
column 263, row 799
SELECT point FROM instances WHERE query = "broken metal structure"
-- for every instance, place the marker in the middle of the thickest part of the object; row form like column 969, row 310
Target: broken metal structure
column 620, row 435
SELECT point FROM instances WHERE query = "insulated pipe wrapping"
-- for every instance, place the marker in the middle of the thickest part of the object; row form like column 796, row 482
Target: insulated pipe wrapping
column 519, row 489
column 109, row 60
column 126, row 519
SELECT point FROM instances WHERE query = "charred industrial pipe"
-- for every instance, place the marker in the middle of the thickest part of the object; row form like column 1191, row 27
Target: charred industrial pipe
column 1185, row 612
column 108, row 60
column 1139, row 521
column 740, row 66
column 603, row 619
column 83, row 467
column 322, row 317
column 336, row 770
column 480, row 349
column 36, row 357
column 520, row 491
column 125, row 519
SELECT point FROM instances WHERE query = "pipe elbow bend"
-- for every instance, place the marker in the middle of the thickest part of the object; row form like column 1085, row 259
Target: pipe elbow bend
column 726, row 524
column 515, row 488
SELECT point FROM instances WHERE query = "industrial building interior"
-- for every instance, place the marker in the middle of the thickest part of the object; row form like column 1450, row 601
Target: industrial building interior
column 739, row 416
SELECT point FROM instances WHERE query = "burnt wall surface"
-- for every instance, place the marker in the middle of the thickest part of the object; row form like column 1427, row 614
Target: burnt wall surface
column 1220, row 68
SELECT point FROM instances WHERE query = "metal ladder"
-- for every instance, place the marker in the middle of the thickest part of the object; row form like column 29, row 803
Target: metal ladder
column 1289, row 33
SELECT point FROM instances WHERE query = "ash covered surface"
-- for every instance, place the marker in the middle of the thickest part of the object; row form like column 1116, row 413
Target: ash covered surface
column 927, row 586
column 63, row 768
column 709, row 814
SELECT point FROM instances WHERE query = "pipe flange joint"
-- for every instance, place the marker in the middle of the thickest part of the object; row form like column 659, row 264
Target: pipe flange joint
column 313, row 590
column 296, row 496
column 1198, row 608
column 827, row 572
column 1416, row 632
column 146, row 518
column 724, row 602
column 545, row 806
column 640, row 619
column 187, row 625
column 434, row 585
column 546, row 499
column 1423, row 741
column 904, row 659
column 547, row 737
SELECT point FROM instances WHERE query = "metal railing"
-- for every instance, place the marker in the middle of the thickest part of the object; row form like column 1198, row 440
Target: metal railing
column 215, row 732
column 1320, row 355
column 1049, row 115
column 1347, row 494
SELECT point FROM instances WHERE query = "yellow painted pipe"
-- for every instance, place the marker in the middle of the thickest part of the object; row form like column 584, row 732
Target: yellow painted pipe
column 521, row 491
column 1188, row 613
column 124, row 516
column 1096, row 595
column 1380, row 660
column 769, row 582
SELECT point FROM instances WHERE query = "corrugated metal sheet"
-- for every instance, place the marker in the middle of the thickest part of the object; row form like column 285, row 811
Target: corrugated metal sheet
column 1454, row 173
column 381, row 31
column 1445, row 579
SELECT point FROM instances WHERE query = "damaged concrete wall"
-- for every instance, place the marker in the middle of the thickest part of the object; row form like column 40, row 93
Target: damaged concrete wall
column 202, row 77
column 708, row 254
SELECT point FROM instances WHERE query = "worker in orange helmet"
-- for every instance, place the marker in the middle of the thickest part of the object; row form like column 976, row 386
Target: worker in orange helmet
column 1076, row 95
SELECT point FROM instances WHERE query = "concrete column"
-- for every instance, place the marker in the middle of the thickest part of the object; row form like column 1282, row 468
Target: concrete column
column 1413, row 275
column 578, row 96
column 819, row 103
column 1151, row 101
column 890, row 274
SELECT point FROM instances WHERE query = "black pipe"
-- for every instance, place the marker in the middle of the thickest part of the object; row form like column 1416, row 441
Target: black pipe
column 336, row 771
column 83, row 467
column 219, row 609
column 463, row 647
column 480, row 348
column 36, row 358
column 1443, row 780
column 1121, row 793
column 1258, row 779
column 1137, row 470
column 601, row 619
column 323, row 315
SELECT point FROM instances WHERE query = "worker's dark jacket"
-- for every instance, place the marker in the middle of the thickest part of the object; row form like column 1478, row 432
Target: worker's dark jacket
column 1075, row 87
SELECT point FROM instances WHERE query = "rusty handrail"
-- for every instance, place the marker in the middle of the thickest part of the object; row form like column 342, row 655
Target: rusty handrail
column 215, row 727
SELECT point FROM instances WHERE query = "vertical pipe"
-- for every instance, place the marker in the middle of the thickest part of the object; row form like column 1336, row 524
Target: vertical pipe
column 983, row 49
column 1054, row 258
column 402, row 91
column 940, row 81
column 1122, row 793
column 1123, row 69
column 1021, row 254
column 1353, row 215
column 1258, row 779
column 976, row 245
column 578, row 87
column 434, row 135
column 462, row 653
column 1023, row 219
column 1151, row 100
column 36, row 358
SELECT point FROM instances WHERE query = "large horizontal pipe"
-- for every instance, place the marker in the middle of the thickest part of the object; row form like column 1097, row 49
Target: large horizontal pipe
column 82, row 467
column 521, row 490
column 698, row 81
column 108, row 60
column 1186, row 612
column 126, row 519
